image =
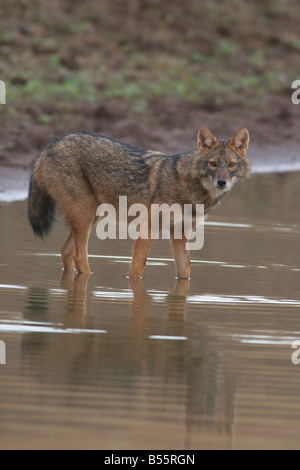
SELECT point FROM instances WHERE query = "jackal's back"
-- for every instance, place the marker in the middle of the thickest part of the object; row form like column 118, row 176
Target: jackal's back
column 80, row 163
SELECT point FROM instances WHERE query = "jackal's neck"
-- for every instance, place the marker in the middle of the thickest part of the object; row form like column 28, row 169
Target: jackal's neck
column 187, row 164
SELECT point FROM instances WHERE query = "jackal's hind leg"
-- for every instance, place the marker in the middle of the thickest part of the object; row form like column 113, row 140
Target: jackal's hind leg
column 80, row 221
column 67, row 253
column 81, row 238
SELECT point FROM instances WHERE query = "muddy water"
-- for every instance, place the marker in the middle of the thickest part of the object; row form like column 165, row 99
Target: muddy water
column 110, row 364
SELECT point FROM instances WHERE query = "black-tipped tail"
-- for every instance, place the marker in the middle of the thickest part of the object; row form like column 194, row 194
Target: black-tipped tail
column 41, row 209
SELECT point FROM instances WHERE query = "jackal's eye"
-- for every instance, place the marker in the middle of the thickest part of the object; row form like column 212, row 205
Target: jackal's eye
column 212, row 164
column 231, row 165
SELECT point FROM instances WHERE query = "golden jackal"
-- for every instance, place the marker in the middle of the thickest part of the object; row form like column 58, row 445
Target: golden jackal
column 78, row 171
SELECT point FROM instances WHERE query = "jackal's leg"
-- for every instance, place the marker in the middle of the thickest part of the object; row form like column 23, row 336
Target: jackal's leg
column 81, row 251
column 80, row 222
column 96, row 220
column 67, row 249
column 67, row 253
column 139, row 257
column 81, row 238
column 181, row 257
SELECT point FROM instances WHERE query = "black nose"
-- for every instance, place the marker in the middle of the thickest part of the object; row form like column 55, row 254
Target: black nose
column 221, row 183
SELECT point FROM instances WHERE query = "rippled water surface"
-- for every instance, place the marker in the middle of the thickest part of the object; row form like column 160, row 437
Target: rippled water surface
column 105, row 363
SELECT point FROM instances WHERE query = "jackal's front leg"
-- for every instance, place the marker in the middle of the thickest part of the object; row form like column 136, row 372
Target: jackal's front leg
column 181, row 257
column 139, row 257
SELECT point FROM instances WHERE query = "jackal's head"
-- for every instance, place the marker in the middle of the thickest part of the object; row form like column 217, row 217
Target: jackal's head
column 222, row 163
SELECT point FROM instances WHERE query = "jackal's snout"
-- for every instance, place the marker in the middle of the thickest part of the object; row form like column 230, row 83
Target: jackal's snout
column 221, row 183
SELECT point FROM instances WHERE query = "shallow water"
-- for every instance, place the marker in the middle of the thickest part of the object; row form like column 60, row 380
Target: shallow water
column 105, row 363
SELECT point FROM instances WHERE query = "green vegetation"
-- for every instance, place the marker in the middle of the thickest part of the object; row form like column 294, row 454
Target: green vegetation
column 226, row 49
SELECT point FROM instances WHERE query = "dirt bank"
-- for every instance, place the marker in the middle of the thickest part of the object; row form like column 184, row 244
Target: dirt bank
column 170, row 127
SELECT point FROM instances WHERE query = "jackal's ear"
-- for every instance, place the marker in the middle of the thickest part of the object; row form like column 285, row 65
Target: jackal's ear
column 205, row 139
column 240, row 141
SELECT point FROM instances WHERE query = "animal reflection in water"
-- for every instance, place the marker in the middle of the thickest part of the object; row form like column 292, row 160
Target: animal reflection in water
column 190, row 371
column 76, row 285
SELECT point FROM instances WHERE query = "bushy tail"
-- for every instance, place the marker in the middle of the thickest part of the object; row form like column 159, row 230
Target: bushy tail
column 41, row 209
